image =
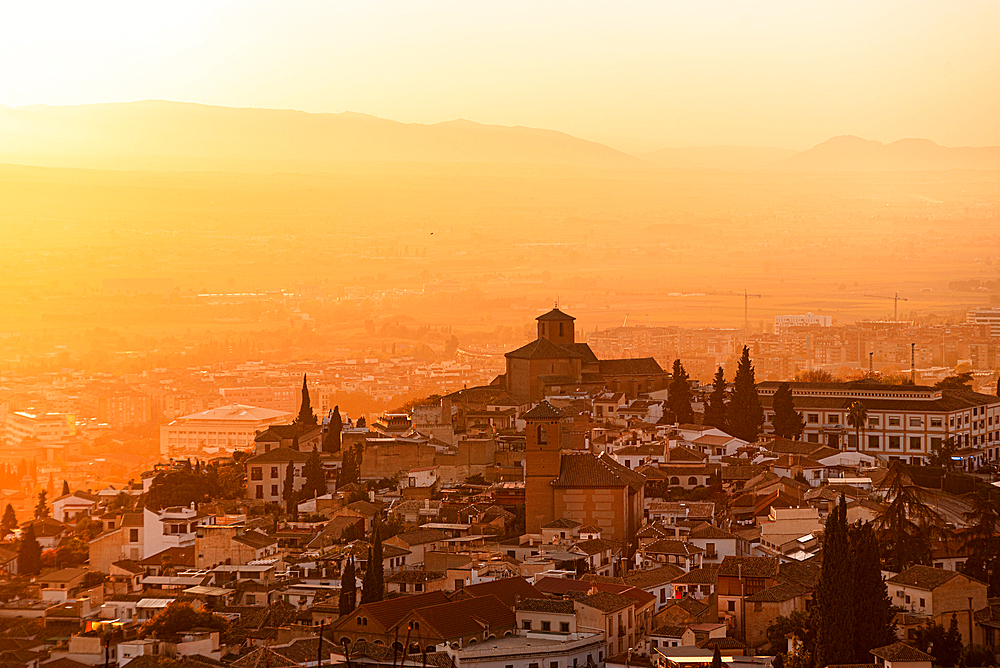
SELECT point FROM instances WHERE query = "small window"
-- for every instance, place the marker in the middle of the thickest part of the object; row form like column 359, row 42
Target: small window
column 915, row 443
column 732, row 606
column 526, row 624
column 873, row 420
column 563, row 627
column 833, row 419
column 937, row 422
column 546, row 626
column 922, row 603
column 916, row 422
column 894, row 442
column 812, row 417
column 894, row 421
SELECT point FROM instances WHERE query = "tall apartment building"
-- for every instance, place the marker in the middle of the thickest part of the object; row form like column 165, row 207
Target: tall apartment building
column 285, row 399
column 904, row 421
column 45, row 427
column 985, row 316
column 782, row 322
column 217, row 430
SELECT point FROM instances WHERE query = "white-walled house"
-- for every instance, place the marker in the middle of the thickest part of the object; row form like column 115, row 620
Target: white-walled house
column 69, row 507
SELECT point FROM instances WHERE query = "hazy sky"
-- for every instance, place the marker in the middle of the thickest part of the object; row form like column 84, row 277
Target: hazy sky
column 633, row 74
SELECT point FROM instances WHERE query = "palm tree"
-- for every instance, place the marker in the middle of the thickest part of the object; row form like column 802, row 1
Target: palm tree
column 857, row 416
column 905, row 524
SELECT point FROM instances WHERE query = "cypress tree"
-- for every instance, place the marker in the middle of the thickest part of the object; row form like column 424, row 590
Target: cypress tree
column 744, row 415
column 288, row 492
column 715, row 410
column 716, row 658
column 29, row 553
column 367, row 584
column 873, row 613
column 306, row 417
column 679, row 395
column 9, row 521
column 41, row 508
column 787, row 423
column 378, row 579
column 331, row 442
column 315, row 484
column 65, row 490
column 348, row 589
column 833, row 609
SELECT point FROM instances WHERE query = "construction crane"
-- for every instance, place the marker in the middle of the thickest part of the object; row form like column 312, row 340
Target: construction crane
column 746, row 306
column 895, row 306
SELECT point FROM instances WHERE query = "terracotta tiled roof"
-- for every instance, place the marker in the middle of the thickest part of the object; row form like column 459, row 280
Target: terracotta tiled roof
column 587, row 470
column 673, row 547
column 750, row 567
column 900, row 651
column 389, row 612
column 543, row 410
column 606, row 601
column 639, row 366
column 557, row 606
column 277, row 456
column 785, row 591
column 711, row 532
column 456, row 619
column 923, row 577
column 542, row 349
column 654, row 577
column 507, row 590
column 561, row 523
column 555, row 314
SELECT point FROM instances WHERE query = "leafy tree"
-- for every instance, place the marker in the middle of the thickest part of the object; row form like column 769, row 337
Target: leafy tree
column 306, row 417
column 350, row 466
column 716, row 658
column 960, row 381
column 905, row 525
column 42, row 508
column 315, row 484
column 178, row 488
column 65, row 489
column 715, row 409
column 331, row 441
column 798, row 624
column 983, row 543
column 29, row 553
column 787, row 423
column 944, row 646
column 941, row 454
column 815, row 376
column 348, row 589
column 857, row 417
column 978, row 655
column 9, row 521
column 179, row 617
column 873, row 612
column 679, row 395
column 778, row 661
column 744, row 414
column 288, row 491
column 834, row 605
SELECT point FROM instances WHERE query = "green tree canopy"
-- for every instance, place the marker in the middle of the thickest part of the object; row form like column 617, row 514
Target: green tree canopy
column 179, row 617
column 679, row 394
column 744, row 414
column 787, row 423
column 715, row 409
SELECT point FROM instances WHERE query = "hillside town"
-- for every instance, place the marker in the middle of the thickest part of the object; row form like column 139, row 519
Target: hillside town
column 571, row 511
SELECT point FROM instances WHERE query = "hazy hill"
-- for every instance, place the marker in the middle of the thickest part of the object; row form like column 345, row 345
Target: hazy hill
column 849, row 153
column 160, row 134
column 716, row 157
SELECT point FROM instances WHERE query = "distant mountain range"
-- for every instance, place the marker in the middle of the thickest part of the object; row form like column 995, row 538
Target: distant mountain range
column 188, row 135
column 854, row 154
column 154, row 134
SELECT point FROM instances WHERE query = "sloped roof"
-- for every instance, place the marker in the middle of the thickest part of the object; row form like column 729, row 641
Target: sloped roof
column 508, row 590
column 923, row 577
column 900, row 651
column 784, row 591
column 557, row 606
column 639, row 366
column 561, row 523
column 389, row 612
column 751, row 567
column 555, row 314
column 710, row 532
column 543, row 349
column 606, row 601
column 654, row 577
column 278, row 455
column 543, row 410
column 587, row 470
column 465, row 617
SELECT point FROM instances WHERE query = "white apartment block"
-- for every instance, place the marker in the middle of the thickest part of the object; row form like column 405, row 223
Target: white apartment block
column 985, row 316
column 45, row 427
column 217, row 430
column 808, row 320
column 904, row 421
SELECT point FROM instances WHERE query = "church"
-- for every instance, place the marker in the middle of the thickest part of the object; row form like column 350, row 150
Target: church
column 554, row 363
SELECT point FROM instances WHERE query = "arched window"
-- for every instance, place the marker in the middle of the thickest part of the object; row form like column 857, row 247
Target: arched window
column 543, row 434
column 692, row 480
column 675, row 481
column 345, row 641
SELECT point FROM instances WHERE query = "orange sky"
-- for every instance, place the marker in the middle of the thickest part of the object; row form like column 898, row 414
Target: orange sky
column 636, row 75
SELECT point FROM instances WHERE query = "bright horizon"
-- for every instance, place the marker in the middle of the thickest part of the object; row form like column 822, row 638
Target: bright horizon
column 637, row 78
